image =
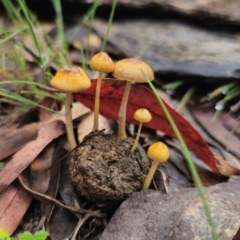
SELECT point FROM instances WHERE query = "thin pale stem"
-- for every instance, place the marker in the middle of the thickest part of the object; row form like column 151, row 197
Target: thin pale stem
column 97, row 102
column 137, row 137
column 164, row 178
column 122, row 112
column 69, row 124
column 150, row 175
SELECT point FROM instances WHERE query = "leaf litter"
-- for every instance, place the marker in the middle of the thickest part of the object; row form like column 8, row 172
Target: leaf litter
column 68, row 194
column 52, row 200
column 76, row 210
column 28, row 153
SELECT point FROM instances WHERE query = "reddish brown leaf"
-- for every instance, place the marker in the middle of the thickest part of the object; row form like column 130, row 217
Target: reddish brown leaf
column 14, row 202
column 141, row 97
column 27, row 154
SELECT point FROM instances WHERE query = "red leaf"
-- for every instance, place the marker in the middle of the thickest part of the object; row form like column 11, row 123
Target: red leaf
column 141, row 97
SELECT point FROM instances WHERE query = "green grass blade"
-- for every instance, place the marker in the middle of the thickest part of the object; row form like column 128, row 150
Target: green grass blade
column 44, row 94
column 85, row 18
column 1, row 165
column 95, row 6
column 30, row 25
column 173, row 85
column 20, row 81
column 12, row 11
column 109, row 25
column 16, row 97
column 10, row 36
column 185, row 99
column 61, row 34
column 189, row 161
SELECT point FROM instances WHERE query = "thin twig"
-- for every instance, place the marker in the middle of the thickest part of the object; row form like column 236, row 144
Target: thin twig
column 49, row 199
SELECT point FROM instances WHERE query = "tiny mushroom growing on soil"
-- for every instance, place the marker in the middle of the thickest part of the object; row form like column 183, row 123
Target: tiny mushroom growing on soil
column 100, row 62
column 131, row 70
column 158, row 152
column 70, row 80
column 142, row 115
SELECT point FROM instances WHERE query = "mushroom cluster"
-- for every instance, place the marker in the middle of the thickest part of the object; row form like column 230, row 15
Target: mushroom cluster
column 109, row 157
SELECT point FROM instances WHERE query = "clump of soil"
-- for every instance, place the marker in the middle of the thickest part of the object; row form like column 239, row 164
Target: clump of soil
column 103, row 168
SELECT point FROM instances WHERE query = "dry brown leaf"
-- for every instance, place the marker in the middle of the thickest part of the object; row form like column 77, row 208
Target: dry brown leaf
column 39, row 170
column 14, row 202
column 27, row 154
column 86, row 125
column 216, row 129
column 78, row 110
column 54, row 181
column 225, row 168
column 13, row 140
column 153, row 215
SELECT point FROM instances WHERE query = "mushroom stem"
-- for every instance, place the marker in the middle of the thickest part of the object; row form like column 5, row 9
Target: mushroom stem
column 149, row 177
column 69, row 124
column 97, row 101
column 137, row 137
column 122, row 112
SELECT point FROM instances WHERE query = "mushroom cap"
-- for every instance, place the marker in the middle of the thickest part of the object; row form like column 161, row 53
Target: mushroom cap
column 158, row 151
column 132, row 69
column 142, row 115
column 72, row 79
column 101, row 62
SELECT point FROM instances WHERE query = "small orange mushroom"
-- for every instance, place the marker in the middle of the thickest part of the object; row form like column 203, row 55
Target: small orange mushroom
column 158, row 152
column 142, row 115
column 100, row 62
column 70, row 80
column 131, row 70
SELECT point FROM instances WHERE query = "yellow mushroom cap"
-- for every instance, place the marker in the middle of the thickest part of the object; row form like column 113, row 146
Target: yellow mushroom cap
column 101, row 62
column 142, row 115
column 158, row 151
column 132, row 69
column 73, row 79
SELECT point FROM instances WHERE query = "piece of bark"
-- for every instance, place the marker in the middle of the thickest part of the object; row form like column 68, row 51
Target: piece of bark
column 175, row 48
column 153, row 215
column 219, row 11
